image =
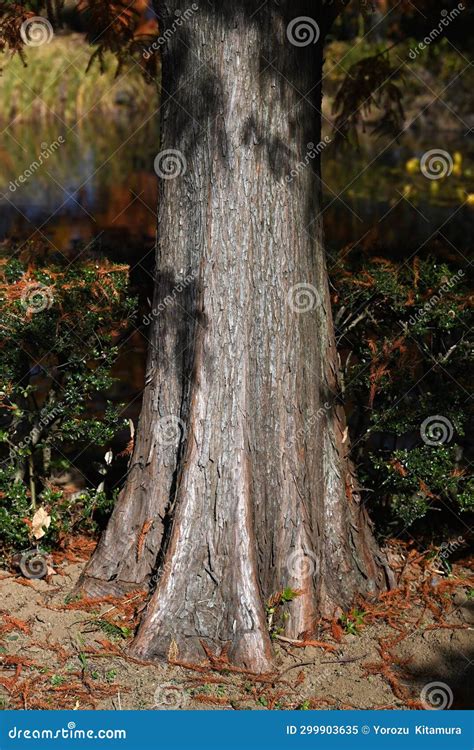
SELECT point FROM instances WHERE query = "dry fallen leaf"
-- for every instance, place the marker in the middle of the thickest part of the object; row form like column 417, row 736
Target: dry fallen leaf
column 40, row 523
column 173, row 651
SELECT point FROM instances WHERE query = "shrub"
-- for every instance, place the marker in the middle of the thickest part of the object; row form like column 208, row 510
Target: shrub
column 404, row 338
column 61, row 324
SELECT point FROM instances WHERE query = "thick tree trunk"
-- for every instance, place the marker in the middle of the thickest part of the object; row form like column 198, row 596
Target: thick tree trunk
column 239, row 485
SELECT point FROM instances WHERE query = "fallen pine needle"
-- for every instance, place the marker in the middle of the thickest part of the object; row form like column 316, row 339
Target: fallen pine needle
column 304, row 644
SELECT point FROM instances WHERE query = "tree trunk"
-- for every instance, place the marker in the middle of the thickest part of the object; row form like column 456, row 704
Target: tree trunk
column 240, row 485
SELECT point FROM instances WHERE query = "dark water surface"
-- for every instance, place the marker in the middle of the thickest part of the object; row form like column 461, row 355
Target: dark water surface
column 99, row 185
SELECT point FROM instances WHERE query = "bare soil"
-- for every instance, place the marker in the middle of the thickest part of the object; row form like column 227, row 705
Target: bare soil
column 57, row 653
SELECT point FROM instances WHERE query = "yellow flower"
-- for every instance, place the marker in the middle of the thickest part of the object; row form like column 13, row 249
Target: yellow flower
column 412, row 165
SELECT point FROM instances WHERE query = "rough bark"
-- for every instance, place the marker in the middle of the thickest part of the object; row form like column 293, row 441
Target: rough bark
column 255, row 494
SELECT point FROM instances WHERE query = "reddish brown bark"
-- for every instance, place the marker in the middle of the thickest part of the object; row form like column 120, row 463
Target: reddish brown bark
column 255, row 494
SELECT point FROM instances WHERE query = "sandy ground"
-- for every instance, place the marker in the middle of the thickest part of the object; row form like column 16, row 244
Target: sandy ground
column 55, row 653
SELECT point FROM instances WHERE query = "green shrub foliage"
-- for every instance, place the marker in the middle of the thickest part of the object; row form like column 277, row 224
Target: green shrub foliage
column 405, row 340
column 60, row 326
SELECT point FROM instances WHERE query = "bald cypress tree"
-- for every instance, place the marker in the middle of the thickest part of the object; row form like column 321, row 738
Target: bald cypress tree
column 239, row 484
